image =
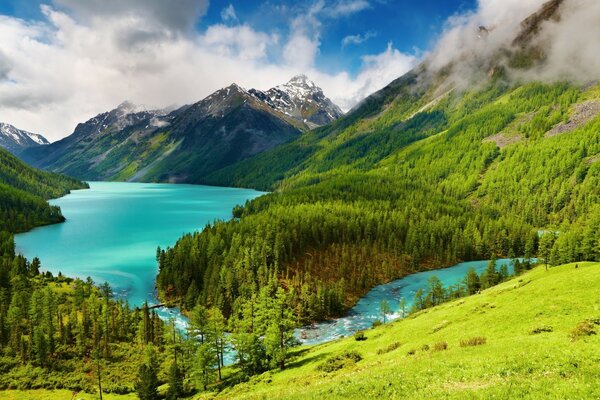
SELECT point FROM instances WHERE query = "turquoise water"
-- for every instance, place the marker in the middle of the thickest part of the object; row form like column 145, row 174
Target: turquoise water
column 367, row 309
column 113, row 230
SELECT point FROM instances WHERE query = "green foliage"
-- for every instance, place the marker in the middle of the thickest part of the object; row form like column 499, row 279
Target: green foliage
column 23, row 195
column 175, row 381
column 146, row 386
column 338, row 362
column 418, row 184
column 585, row 328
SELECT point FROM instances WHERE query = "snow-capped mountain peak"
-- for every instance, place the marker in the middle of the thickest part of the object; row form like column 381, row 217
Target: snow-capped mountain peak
column 16, row 140
column 301, row 99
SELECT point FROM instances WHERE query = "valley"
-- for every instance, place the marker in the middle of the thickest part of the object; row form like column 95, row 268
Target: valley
column 439, row 239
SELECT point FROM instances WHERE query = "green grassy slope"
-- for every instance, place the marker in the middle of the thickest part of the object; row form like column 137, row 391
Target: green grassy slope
column 513, row 363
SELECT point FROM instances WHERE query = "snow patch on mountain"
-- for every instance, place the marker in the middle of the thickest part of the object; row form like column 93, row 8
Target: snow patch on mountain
column 15, row 140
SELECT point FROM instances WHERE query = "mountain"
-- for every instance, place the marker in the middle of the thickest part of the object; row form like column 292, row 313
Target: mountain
column 16, row 140
column 431, row 170
column 301, row 99
column 184, row 145
column 24, row 192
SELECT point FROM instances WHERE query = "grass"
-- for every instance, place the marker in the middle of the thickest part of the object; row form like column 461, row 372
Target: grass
column 534, row 337
column 58, row 395
column 503, row 357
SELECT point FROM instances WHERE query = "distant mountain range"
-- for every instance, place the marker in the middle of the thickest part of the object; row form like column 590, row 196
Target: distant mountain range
column 16, row 140
column 183, row 145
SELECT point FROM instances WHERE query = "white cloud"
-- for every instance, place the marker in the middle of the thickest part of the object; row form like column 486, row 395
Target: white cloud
column 75, row 64
column 343, row 8
column 229, row 14
column 377, row 71
column 358, row 38
column 570, row 43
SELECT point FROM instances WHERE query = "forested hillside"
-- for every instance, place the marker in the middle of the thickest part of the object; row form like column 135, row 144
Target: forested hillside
column 428, row 180
column 24, row 192
column 55, row 330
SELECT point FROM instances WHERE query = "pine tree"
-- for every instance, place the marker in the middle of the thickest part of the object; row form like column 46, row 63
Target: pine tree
column 176, row 390
column 204, row 365
column 472, row 281
column 385, row 309
column 279, row 337
column 146, row 386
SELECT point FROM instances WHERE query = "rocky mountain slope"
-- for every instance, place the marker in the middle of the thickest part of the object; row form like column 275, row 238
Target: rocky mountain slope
column 301, row 99
column 183, row 145
column 16, row 140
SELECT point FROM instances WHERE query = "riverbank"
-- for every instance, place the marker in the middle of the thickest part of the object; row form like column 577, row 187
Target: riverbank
column 536, row 352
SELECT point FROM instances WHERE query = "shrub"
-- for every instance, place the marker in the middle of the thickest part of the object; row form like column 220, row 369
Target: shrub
column 474, row 341
column 541, row 329
column 411, row 352
column 586, row 327
column 389, row 348
column 440, row 346
column 360, row 336
column 377, row 323
column 425, row 347
column 340, row 361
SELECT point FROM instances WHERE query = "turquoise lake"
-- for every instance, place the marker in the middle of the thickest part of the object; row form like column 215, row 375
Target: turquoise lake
column 113, row 230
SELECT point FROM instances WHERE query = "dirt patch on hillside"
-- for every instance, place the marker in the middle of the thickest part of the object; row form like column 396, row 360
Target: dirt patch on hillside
column 502, row 140
column 582, row 114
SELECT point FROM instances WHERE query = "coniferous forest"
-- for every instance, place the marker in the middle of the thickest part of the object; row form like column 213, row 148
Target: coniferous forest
column 433, row 170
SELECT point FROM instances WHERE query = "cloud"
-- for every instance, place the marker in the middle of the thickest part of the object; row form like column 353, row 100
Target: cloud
column 571, row 50
column 5, row 66
column 358, row 38
column 175, row 15
column 377, row 71
column 228, row 14
column 344, row 8
column 74, row 64
column 572, row 44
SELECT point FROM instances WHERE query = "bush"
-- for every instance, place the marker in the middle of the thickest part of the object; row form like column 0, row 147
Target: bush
column 360, row 336
column 343, row 360
column 411, row 352
column 585, row 328
column 389, row 348
column 541, row 329
column 377, row 323
column 440, row 346
column 425, row 347
column 474, row 341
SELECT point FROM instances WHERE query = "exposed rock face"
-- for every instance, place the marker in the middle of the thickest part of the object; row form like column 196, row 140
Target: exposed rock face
column 532, row 24
column 302, row 100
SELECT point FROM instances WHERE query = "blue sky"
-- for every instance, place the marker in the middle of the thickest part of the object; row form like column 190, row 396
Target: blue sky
column 64, row 61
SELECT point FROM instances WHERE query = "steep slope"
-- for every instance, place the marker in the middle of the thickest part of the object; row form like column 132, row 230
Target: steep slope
column 421, row 174
column 23, row 194
column 529, row 352
column 184, row 145
column 16, row 140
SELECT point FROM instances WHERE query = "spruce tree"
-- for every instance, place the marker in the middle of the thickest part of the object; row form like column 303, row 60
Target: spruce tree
column 176, row 390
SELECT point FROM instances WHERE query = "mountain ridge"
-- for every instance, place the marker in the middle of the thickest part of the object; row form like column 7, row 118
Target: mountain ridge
column 182, row 145
column 16, row 140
